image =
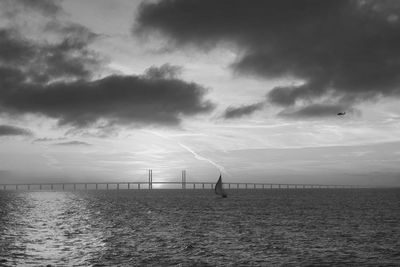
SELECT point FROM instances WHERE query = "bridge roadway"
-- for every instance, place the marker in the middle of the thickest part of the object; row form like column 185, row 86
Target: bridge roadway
column 149, row 185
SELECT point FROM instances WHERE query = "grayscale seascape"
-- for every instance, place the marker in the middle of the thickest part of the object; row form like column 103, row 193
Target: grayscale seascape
column 290, row 227
column 272, row 128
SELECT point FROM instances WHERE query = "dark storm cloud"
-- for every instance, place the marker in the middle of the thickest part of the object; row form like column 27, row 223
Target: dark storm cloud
column 237, row 112
column 43, row 62
column 68, row 59
column 116, row 99
column 62, row 51
column 346, row 49
column 9, row 130
column 13, row 49
column 72, row 143
column 55, row 79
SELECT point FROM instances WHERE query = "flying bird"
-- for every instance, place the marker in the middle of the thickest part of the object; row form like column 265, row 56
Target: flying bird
column 341, row 113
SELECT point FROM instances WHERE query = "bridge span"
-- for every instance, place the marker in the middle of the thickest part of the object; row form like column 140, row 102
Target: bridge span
column 183, row 184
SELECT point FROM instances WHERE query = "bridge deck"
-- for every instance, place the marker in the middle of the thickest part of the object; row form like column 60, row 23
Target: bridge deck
column 149, row 185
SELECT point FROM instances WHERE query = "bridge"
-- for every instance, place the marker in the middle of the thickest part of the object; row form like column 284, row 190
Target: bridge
column 183, row 184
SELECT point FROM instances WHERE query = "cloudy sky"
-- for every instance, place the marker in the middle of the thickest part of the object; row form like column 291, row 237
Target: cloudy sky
column 104, row 90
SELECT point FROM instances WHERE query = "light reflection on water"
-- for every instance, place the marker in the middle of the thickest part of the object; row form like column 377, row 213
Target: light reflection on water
column 196, row 228
column 51, row 228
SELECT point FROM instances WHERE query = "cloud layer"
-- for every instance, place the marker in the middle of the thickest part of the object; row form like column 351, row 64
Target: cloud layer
column 9, row 130
column 115, row 99
column 344, row 50
column 54, row 77
column 237, row 112
column 72, row 143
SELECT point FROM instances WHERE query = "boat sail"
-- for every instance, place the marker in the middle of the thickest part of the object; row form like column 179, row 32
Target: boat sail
column 219, row 190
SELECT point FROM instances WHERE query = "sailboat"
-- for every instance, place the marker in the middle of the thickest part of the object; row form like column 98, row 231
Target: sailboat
column 219, row 190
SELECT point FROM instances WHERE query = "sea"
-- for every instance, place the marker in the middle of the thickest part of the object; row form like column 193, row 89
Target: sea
column 271, row 227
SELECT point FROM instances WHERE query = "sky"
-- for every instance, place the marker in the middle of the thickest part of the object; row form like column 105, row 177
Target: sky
column 97, row 90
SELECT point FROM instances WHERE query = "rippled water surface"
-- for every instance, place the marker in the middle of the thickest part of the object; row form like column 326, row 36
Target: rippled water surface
column 196, row 228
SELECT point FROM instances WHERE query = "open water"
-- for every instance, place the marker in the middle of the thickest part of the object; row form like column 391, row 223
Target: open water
column 340, row 227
